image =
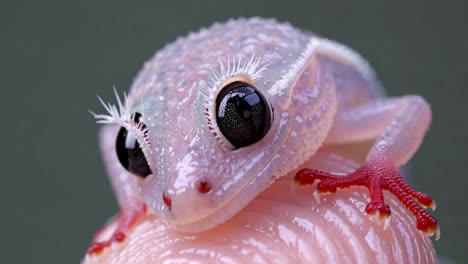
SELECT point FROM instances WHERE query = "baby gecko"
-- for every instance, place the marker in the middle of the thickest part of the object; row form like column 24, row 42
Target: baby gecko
column 215, row 117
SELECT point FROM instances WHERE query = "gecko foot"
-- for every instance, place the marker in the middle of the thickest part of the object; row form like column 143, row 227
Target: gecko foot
column 377, row 174
column 125, row 220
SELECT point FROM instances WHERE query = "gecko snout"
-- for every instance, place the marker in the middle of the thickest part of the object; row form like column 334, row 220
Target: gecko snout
column 202, row 186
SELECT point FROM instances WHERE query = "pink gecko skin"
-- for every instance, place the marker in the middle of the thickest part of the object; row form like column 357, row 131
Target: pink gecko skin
column 321, row 93
column 280, row 226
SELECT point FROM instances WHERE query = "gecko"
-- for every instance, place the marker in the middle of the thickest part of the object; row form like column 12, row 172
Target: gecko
column 217, row 116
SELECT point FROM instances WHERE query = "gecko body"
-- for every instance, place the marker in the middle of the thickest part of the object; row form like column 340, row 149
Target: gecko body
column 215, row 117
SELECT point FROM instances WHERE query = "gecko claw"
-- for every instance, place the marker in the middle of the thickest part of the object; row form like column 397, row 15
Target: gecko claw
column 381, row 212
column 387, row 222
column 437, row 233
column 383, row 217
column 433, row 206
column 317, row 196
column 433, row 231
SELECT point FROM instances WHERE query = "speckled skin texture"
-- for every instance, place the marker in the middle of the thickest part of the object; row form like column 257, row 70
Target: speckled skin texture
column 320, row 92
column 168, row 94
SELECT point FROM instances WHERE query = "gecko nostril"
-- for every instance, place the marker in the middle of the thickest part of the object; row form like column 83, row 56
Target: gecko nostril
column 203, row 186
column 167, row 199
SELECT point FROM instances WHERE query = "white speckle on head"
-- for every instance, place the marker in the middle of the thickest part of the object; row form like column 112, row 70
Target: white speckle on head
column 194, row 141
column 241, row 172
column 185, row 168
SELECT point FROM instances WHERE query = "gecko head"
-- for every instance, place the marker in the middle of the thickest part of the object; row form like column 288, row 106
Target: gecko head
column 219, row 114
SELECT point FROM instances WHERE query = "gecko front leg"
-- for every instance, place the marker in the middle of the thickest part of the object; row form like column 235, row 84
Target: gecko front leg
column 399, row 124
column 132, row 208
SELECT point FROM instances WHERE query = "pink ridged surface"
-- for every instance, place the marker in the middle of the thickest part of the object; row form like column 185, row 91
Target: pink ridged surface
column 283, row 226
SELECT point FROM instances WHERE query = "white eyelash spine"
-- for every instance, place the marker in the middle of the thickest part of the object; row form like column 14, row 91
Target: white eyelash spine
column 121, row 115
column 234, row 67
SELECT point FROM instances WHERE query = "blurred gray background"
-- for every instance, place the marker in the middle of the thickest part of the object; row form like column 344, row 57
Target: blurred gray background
column 55, row 56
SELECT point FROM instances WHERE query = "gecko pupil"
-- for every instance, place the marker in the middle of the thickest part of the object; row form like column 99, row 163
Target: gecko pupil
column 130, row 153
column 242, row 114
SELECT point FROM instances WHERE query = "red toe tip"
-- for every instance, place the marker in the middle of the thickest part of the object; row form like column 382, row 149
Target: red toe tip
column 97, row 247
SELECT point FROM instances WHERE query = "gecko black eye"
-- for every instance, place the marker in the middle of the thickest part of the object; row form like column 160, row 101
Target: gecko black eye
column 130, row 153
column 242, row 114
